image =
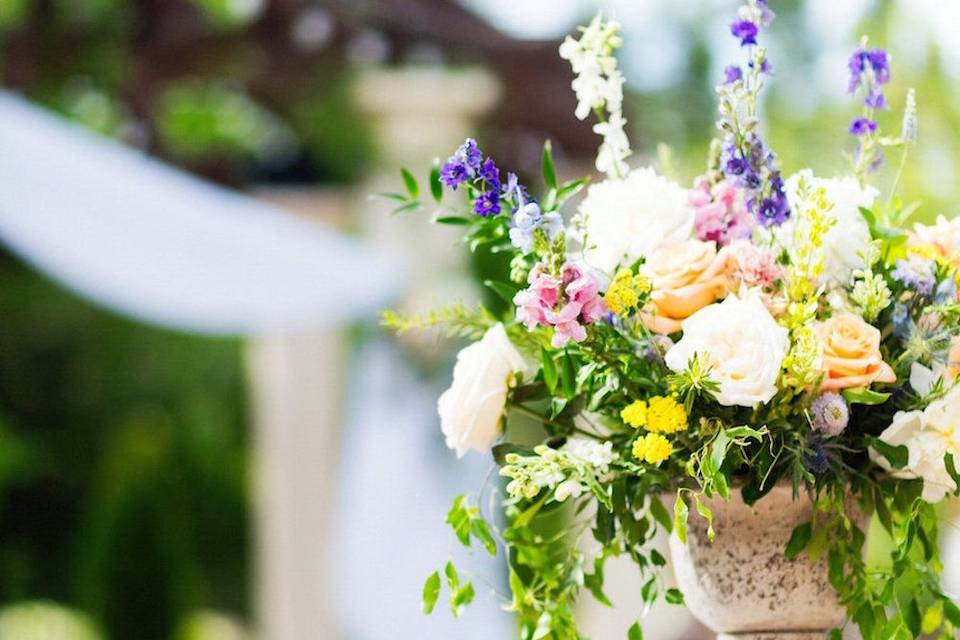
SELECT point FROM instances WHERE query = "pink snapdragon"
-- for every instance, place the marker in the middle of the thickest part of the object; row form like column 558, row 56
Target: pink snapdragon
column 567, row 304
column 720, row 212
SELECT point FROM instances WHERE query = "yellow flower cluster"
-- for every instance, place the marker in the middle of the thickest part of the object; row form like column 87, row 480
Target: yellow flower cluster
column 652, row 448
column 623, row 294
column 663, row 414
column 808, row 260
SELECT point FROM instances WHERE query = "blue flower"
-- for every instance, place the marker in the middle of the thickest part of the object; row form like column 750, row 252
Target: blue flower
column 732, row 73
column 527, row 219
column 878, row 62
column 746, row 31
column 513, row 189
column 487, row 203
column 862, row 126
column 916, row 273
column 830, row 414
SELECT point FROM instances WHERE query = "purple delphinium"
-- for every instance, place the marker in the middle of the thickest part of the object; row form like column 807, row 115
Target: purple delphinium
column 830, row 414
column 462, row 165
column 869, row 69
column 732, row 73
column 487, row 203
column 916, row 273
column 863, row 126
column 745, row 31
column 489, row 173
column 773, row 210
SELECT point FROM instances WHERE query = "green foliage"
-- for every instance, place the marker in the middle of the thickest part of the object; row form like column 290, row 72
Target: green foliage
column 118, row 441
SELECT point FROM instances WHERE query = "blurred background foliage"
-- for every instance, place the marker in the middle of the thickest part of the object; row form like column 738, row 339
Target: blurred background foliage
column 124, row 449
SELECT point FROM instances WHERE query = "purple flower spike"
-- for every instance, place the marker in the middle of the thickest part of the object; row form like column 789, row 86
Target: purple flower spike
column 746, row 31
column 876, row 100
column 862, row 126
column 731, row 74
column 462, row 165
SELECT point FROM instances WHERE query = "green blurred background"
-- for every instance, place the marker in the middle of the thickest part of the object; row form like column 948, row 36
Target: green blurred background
column 125, row 449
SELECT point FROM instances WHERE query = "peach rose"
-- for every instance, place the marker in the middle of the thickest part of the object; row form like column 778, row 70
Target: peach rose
column 851, row 353
column 686, row 277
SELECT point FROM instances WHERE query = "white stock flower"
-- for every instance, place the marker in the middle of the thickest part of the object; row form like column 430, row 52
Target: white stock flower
column 744, row 347
column 627, row 219
column 470, row 410
column 849, row 239
column 928, row 435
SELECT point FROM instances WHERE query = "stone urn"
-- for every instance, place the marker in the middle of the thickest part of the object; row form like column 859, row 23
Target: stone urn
column 741, row 586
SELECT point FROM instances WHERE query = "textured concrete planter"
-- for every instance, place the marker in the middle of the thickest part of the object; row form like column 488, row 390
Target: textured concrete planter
column 741, row 586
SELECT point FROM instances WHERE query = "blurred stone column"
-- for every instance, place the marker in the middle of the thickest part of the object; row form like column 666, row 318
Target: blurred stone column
column 296, row 388
column 298, row 380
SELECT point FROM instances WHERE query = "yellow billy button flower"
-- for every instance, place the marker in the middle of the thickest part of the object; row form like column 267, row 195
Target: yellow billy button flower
column 623, row 294
column 652, row 448
column 665, row 415
column 635, row 414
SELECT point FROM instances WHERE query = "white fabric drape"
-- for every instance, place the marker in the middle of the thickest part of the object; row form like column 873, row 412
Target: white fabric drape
column 155, row 243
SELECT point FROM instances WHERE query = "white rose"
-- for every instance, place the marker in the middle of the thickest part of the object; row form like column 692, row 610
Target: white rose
column 928, row 435
column 743, row 344
column 471, row 408
column 629, row 218
column 844, row 244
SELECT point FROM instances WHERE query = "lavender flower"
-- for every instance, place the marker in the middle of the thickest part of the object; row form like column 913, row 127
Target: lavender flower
column 746, row 31
column 862, row 126
column 916, row 273
column 830, row 414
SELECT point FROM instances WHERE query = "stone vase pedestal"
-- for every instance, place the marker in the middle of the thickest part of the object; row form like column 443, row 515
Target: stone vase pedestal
column 741, row 586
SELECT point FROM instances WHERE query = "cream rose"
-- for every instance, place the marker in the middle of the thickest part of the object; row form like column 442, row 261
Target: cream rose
column 928, row 435
column 470, row 410
column 743, row 344
column 851, row 353
column 686, row 277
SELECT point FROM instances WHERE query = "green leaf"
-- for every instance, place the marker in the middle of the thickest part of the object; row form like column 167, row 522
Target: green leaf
column 481, row 531
column 862, row 395
column 549, row 171
column 606, row 525
column 524, row 518
column 707, row 515
column 459, row 519
column 461, row 598
column 594, row 582
column 436, row 188
column 897, row 456
column 635, row 632
column 680, row 514
column 568, row 376
column 453, row 579
column 798, row 540
column 673, row 596
column 504, row 290
column 569, row 189
column 952, row 612
column 410, row 206
column 950, row 463
column 660, row 513
column 411, row 184
column 932, row 618
column 649, row 590
column 911, row 614
column 458, row 221
column 550, row 374
column 657, row 559
column 431, row 591
column 399, row 197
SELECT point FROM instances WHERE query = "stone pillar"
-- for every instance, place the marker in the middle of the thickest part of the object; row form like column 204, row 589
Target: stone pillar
column 297, row 379
column 295, row 383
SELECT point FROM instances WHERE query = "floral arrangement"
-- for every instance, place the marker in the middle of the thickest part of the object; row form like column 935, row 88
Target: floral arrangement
column 665, row 343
